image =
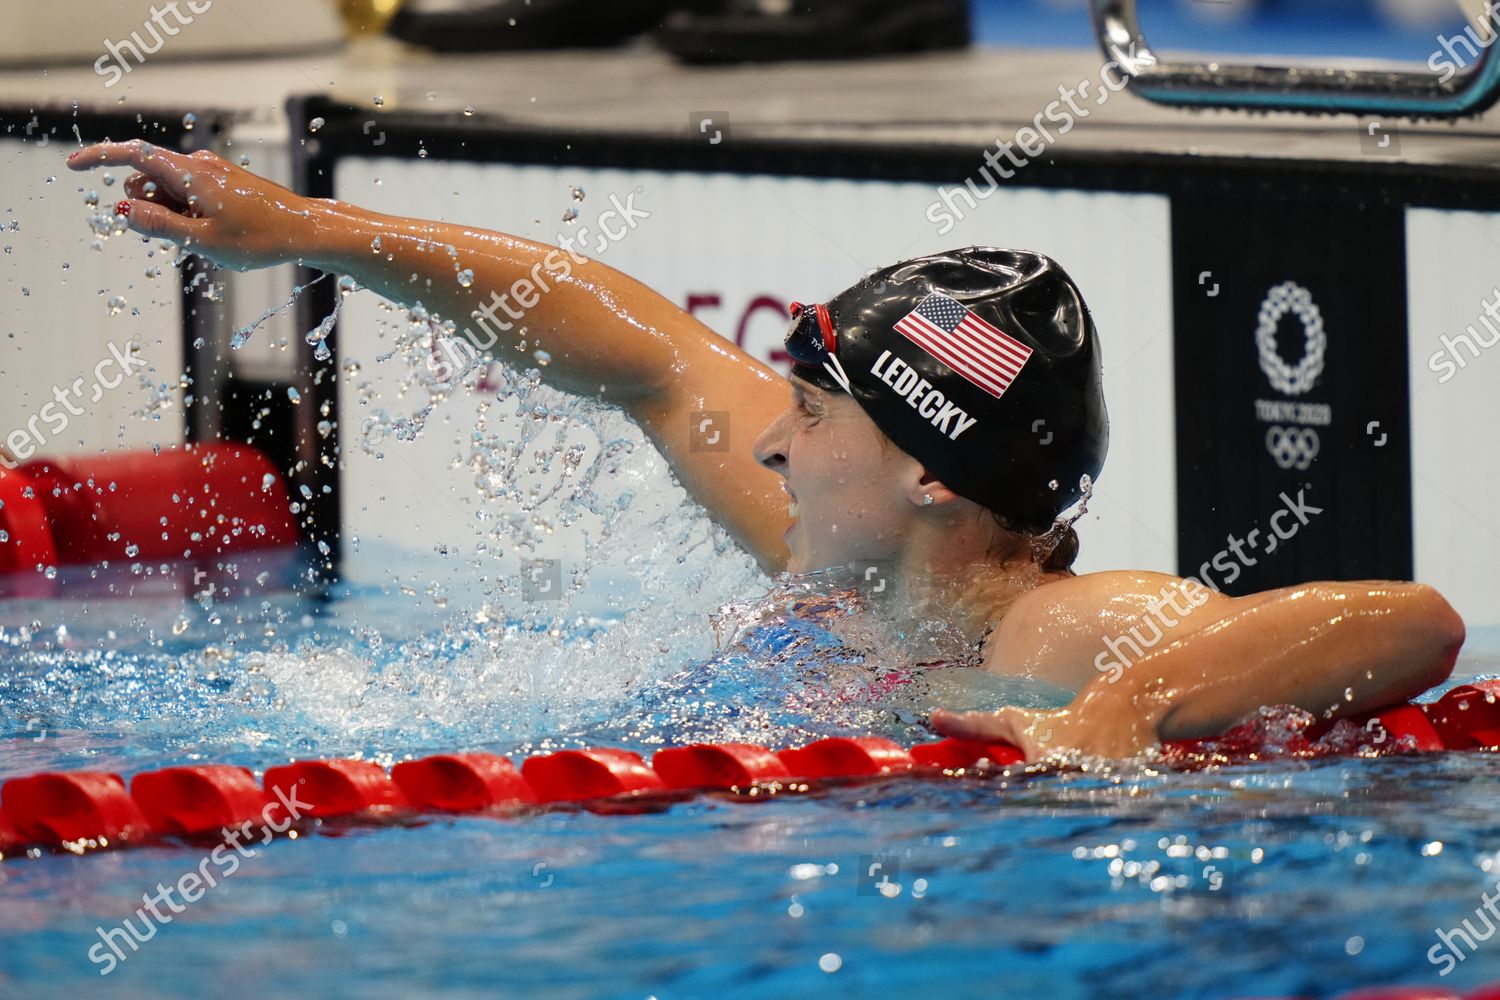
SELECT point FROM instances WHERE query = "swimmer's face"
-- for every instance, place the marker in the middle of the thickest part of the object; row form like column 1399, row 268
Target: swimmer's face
column 849, row 491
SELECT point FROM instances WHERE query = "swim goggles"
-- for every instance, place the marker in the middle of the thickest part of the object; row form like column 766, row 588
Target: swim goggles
column 811, row 341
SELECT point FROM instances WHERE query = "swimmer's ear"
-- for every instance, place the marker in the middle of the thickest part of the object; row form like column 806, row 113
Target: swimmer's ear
column 929, row 491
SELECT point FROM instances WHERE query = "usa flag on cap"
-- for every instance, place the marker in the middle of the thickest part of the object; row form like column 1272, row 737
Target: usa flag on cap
column 983, row 354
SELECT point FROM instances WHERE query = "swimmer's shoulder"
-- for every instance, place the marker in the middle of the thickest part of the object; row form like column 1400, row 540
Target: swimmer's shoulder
column 1057, row 631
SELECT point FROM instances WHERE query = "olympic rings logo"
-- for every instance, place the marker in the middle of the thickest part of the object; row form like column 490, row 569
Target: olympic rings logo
column 1292, row 447
column 1280, row 300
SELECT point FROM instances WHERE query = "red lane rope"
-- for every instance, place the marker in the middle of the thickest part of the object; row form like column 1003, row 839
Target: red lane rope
column 90, row 810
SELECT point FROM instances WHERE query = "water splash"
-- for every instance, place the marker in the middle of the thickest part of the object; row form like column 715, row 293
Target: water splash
column 317, row 337
column 662, row 630
column 242, row 335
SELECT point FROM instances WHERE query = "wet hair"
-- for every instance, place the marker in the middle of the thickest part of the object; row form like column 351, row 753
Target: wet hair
column 1053, row 550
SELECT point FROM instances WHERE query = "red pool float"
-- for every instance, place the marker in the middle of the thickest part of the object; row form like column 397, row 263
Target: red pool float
column 718, row 765
column 196, row 800
column 1468, row 716
column 462, row 782
column 54, row 808
column 596, row 773
column 951, row 753
column 329, row 788
column 847, row 757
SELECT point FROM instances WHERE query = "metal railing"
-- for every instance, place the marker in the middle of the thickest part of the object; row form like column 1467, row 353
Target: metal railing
column 1288, row 88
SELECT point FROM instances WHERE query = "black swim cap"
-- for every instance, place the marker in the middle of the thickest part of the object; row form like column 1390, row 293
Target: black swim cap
column 982, row 364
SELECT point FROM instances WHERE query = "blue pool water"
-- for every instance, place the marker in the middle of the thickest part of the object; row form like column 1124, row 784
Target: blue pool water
column 1290, row 877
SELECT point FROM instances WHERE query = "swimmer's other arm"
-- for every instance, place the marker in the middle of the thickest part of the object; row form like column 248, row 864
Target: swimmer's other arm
column 608, row 335
column 1333, row 649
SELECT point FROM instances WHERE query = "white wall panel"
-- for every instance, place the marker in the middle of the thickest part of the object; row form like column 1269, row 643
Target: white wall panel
column 1453, row 268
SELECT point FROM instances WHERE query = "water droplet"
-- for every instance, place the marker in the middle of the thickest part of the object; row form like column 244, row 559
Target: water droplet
column 244, row 160
column 422, row 152
column 293, row 394
column 466, row 277
column 116, row 303
column 306, row 491
column 91, row 199
column 268, row 481
column 132, row 550
column 148, row 188
column 315, row 124
column 109, row 180
column 189, row 120
column 1052, row 485
column 571, row 215
column 577, row 192
column 375, row 245
column 542, row 357
column 468, row 111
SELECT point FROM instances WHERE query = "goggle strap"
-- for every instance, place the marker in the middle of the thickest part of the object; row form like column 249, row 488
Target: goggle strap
column 836, row 370
column 825, row 323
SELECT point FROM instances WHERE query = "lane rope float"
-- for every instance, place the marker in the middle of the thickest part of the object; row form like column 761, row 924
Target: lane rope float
column 83, row 811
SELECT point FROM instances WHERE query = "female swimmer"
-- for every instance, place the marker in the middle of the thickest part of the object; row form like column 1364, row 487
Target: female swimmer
column 943, row 413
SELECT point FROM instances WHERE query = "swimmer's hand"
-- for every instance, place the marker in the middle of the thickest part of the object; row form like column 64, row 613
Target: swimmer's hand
column 207, row 205
column 1095, row 723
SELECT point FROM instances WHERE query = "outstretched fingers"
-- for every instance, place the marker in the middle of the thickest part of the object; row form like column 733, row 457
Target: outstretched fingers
column 170, row 170
column 136, row 153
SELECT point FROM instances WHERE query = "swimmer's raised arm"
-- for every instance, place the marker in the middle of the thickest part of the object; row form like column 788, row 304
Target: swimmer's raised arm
column 1334, row 649
column 607, row 335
